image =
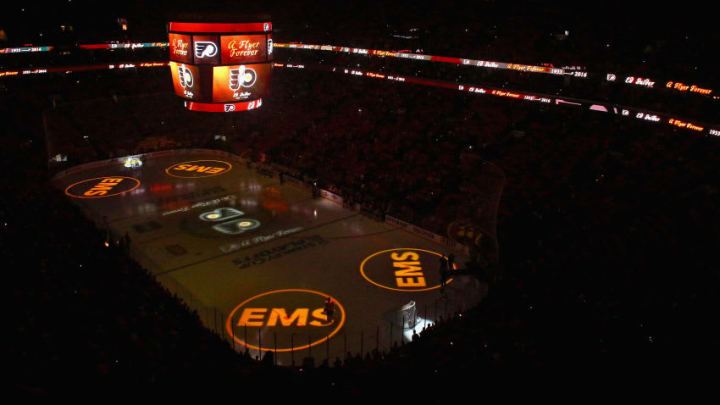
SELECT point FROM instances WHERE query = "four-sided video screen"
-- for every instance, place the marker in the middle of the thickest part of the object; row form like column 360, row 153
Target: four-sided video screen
column 221, row 66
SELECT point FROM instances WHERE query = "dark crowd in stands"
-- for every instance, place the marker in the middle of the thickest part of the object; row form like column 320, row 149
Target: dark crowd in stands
column 607, row 227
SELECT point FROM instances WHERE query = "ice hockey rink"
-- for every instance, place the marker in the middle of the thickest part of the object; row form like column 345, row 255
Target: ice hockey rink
column 257, row 257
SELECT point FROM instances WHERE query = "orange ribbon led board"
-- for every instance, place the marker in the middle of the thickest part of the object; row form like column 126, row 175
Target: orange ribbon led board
column 101, row 187
column 404, row 269
column 286, row 315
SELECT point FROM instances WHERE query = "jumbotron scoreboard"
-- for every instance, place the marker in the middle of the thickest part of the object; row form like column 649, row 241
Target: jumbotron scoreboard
column 221, row 66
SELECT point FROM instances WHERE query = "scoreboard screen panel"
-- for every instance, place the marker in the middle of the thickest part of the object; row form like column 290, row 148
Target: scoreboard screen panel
column 187, row 81
column 237, row 49
column 240, row 82
column 180, row 48
column 206, row 49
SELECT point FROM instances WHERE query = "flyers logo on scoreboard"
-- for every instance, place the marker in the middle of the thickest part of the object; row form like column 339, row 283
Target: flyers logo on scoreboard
column 205, row 49
column 229, row 107
column 239, row 83
column 187, row 81
column 242, row 77
column 185, row 76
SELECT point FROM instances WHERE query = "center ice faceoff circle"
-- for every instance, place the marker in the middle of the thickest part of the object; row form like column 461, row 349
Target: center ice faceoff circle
column 221, row 214
column 198, row 168
column 228, row 220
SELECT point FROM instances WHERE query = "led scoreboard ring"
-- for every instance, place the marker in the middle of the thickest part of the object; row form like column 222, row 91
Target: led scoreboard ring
column 221, row 65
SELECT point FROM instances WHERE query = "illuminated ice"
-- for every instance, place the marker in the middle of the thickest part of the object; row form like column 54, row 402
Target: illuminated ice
column 215, row 263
